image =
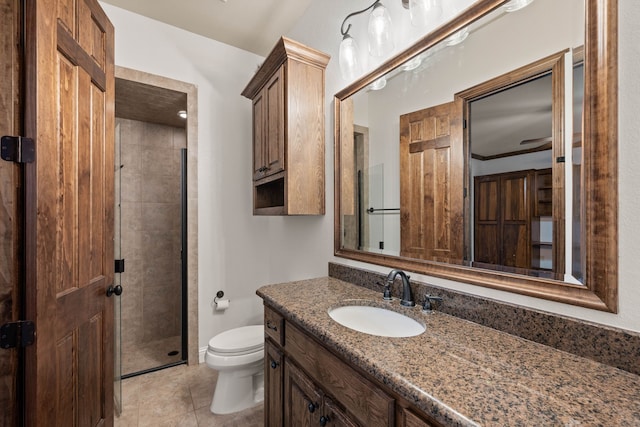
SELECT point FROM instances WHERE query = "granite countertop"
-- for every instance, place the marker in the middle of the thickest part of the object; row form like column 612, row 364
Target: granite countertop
column 462, row 373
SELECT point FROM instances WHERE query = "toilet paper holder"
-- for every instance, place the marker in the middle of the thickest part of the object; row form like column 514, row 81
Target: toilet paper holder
column 220, row 304
column 219, row 294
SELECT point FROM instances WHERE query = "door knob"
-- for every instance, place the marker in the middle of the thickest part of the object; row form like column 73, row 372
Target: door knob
column 114, row 290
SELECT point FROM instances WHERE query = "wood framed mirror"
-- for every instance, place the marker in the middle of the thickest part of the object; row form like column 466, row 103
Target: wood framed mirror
column 425, row 125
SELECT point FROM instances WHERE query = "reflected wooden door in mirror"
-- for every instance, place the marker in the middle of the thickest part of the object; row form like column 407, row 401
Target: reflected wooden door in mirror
column 431, row 165
column 560, row 214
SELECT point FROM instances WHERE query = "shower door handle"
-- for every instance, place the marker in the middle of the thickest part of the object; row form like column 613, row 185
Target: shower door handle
column 114, row 290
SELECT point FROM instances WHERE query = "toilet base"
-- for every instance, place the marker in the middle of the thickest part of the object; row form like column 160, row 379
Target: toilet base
column 237, row 390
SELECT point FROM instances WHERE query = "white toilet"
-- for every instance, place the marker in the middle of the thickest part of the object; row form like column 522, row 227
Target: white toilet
column 238, row 355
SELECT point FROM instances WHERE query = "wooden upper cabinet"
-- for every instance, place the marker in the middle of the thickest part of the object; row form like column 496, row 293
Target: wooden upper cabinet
column 268, row 128
column 288, row 131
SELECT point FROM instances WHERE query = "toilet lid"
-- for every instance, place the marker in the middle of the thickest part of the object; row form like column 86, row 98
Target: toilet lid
column 239, row 340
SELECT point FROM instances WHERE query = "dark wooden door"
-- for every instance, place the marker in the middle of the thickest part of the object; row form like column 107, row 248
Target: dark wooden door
column 516, row 219
column 9, row 205
column 69, row 213
column 431, row 182
column 502, row 227
column 488, row 221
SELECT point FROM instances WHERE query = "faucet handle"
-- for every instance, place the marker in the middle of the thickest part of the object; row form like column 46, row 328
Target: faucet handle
column 386, row 294
column 430, row 303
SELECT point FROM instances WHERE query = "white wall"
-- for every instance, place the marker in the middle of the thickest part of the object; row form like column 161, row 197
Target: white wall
column 238, row 252
column 320, row 28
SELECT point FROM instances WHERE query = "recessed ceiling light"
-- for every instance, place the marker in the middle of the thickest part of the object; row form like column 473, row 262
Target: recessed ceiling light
column 182, row 114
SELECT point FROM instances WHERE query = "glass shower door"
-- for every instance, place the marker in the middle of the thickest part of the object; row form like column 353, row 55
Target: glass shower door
column 117, row 279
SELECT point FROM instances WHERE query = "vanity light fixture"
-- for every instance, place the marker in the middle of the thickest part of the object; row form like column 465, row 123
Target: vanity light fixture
column 380, row 39
column 379, row 32
column 182, row 114
column 514, row 5
column 423, row 12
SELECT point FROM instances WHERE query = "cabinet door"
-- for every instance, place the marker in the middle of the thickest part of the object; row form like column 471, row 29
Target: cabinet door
column 334, row 416
column 409, row 419
column 302, row 400
column 273, row 376
column 259, row 139
column 274, row 124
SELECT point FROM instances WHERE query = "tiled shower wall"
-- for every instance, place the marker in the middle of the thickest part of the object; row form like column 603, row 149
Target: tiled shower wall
column 150, row 233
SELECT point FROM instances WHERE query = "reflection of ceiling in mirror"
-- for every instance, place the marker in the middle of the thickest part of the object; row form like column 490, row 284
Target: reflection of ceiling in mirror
column 515, row 119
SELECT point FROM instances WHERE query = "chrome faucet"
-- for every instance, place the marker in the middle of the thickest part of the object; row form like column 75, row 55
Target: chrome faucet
column 406, row 299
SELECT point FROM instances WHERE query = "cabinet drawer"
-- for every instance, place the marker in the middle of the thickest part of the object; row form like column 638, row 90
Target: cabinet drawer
column 274, row 325
column 369, row 405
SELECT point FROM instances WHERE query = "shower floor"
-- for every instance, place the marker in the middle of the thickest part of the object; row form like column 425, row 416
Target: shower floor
column 138, row 357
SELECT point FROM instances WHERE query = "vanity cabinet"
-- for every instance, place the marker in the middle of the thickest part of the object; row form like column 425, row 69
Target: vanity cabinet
column 273, row 382
column 287, row 93
column 306, row 385
column 307, row 404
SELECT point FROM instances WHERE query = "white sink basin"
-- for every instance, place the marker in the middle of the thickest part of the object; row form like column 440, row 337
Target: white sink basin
column 376, row 321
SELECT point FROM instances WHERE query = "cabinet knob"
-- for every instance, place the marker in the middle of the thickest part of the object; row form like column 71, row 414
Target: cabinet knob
column 311, row 407
column 274, row 364
column 324, row 420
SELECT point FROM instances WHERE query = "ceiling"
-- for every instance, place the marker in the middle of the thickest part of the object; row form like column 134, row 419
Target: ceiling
column 502, row 121
column 250, row 25
column 152, row 104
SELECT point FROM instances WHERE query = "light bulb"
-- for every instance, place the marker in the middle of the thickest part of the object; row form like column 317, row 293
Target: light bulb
column 412, row 64
column 380, row 40
column 378, row 84
column 424, row 12
column 349, row 66
column 514, row 5
column 458, row 37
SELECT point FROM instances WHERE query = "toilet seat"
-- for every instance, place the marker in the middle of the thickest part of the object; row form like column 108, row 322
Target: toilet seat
column 238, row 341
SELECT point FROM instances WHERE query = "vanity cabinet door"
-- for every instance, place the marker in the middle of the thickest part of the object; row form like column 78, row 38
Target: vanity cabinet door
column 336, row 417
column 273, row 380
column 302, row 400
column 409, row 419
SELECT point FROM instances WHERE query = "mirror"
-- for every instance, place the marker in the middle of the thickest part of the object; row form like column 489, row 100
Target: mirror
column 466, row 156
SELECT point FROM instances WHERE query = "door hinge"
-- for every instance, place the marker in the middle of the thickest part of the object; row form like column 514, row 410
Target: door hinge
column 119, row 266
column 464, row 193
column 464, row 123
column 17, row 334
column 560, row 159
column 17, row 149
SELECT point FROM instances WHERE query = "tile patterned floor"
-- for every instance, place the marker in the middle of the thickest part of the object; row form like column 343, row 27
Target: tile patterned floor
column 137, row 357
column 180, row 397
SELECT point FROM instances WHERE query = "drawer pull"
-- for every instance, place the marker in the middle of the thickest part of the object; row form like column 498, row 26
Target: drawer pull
column 274, row 364
column 271, row 326
column 312, row 407
column 324, row 420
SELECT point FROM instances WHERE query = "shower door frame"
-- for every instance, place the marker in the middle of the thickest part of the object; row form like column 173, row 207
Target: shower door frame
column 189, row 210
